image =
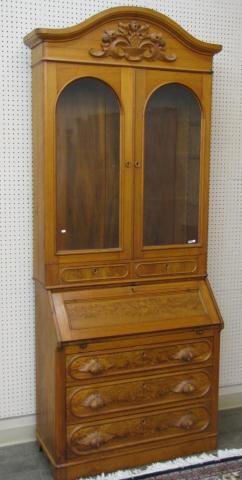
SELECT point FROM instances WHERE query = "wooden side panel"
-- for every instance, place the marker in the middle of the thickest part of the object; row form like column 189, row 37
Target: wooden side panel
column 38, row 169
column 49, row 378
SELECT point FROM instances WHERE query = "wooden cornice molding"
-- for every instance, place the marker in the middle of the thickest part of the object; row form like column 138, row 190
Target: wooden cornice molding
column 121, row 13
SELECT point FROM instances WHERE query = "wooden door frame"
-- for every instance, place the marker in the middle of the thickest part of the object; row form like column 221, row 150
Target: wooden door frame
column 57, row 77
column 200, row 85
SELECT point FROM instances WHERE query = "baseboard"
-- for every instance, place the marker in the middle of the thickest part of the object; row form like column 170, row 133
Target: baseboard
column 17, row 430
column 22, row 429
column 230, row 397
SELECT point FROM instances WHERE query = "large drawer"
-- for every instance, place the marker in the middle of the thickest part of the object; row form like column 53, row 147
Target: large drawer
column 126, row 395
column 145, row 358
column 143, row 428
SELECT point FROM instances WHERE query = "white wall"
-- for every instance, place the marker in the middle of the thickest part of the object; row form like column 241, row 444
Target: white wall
column 217, row 21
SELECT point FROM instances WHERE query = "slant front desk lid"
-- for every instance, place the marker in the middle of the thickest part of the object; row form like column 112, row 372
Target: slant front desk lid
column 106, row 312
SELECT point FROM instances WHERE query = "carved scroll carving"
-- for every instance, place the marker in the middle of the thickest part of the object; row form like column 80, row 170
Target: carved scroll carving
column 134, row 42
column 186, row 386
column 94, row 401
column 93, row 366
column 186, row 354
column 186, row 422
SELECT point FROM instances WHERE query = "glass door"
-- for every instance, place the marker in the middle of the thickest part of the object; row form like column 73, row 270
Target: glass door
column 93, row 183
column 88, row 173
column 168, row 163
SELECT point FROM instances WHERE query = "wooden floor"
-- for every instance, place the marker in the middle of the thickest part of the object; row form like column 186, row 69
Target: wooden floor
column 25, row 462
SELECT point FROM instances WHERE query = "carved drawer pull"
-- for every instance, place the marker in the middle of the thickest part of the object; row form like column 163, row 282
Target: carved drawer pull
column 93, row 440
column 185, row 355
column 94, row 401
column 93, row 366
column 186, row 422
column 186, row 386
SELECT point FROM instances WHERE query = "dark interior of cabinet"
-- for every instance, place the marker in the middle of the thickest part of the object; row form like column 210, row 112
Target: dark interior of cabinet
column 88, row 164
column 171, row 167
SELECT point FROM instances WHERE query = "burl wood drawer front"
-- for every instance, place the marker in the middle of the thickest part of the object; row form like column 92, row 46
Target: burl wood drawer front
column 130, row 394
column 156, row 269
column 98, row 272
column 106, row 364
column 111, row 435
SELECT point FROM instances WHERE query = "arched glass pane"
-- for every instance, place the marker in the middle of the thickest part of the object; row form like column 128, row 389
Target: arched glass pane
column 171, row 167
column 88, row 147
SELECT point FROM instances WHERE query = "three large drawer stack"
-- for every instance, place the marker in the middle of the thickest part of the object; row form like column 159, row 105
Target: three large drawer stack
column 138, row 393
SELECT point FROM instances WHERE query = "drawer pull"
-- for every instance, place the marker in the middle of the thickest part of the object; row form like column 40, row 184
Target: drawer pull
column 185, row 355
column 94, row 367
column 185, row 386
column 186, row 422
column 94, row 401
column 199, row 331
column 93, row 440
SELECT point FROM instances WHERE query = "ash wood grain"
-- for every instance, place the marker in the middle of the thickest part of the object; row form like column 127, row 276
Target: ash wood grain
column 127, row 342
column 38, row 172
column 131, row 394
column 84, row 314
column 40, row 34
column 140, row 428
column 139, row 455
column 144, row 359
column 50, row 378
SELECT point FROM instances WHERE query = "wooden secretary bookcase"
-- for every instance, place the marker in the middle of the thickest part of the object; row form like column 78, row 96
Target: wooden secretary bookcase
column 127, row 326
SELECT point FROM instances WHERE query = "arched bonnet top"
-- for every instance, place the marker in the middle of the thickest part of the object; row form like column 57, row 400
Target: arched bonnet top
column 125, row 36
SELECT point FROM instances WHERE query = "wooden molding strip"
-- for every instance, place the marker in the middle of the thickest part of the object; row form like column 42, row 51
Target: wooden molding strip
column 61, row 34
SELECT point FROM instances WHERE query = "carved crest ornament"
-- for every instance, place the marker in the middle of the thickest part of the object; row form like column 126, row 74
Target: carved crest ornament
column 134, row 42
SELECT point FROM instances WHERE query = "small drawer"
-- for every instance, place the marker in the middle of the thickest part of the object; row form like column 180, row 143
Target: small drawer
column 154, row 269
column 92, row 273
column 83, row 367
column 138, row 429
column 110, row 398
